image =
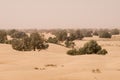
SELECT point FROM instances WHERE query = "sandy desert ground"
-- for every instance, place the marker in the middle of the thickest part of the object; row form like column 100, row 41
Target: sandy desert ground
column 55, row 64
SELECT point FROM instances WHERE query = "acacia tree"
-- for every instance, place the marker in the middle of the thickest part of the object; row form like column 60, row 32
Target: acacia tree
column 3, row 36
column 36, row 40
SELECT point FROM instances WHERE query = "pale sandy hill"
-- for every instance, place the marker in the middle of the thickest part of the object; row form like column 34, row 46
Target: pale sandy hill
column 15, row 65
column 47, row 35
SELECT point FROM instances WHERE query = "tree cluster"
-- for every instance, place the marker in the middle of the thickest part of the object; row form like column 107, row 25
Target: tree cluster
column 90, row 47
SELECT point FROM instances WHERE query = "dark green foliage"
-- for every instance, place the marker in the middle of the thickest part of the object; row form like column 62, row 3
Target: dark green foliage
column 69, row 44
column 89, row 48
column 87, row 33
column 35, row 41
column 82, row 51
column 3, row 36
column 61, row 35
column 102, row 52
column 77, row 35
column 104, row 34
column 17, row 44
column 52, row 40
column 71, row 37
column 72, row 52
column 8, row 41
column 10, row 32
column 22, row 44
column 18, row 34
column 115, row 31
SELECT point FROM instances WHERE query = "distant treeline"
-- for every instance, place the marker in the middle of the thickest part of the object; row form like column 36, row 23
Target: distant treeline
column 33, row 39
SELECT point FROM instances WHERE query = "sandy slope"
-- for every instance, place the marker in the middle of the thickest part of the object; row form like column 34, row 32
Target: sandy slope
column 16, row 65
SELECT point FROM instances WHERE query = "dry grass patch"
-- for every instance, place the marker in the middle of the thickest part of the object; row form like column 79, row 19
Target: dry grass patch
column 50, row 65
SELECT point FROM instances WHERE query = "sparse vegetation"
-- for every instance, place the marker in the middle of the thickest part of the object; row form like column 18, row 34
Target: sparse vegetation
column 35, row 41
column 89, row 48
column 61, row 35
column 3, row 36
column 104, row 34
column 52, row 40
column 69, row 44
column 115, row 32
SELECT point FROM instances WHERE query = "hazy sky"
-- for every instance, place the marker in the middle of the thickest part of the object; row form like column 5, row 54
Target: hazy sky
column 59, row 13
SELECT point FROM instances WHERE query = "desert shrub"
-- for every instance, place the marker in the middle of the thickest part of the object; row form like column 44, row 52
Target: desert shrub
column 52, row 40
column 69, row 44
column 18, row 34
column 87, row 33
column 115, row 31
column 17, row 44
column 21, row 44
column 79, row 35
column 82, row 51
column 61, row 35
column 8, row 41
column 76, row 35
column 35, row 41
column 72, row 52
column 42, row 46
column 95, row 33
column 71, row 37
column 102, row 52
column 90, row 47
column 3, row 36
column 104, row 34
column 10, row 32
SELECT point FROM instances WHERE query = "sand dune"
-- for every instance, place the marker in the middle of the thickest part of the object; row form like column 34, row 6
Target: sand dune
column 15, row 65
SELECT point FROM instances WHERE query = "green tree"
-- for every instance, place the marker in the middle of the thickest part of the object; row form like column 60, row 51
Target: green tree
column 52, row 40
column 104, row 34
column 18, row 34
column 61, row 35
column 115, row 31
column 36, row 40
column 90, row 47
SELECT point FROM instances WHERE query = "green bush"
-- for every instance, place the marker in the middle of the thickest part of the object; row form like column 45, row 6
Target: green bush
column 87, row 33
column 18, row 34
column 52, row 40
column 90, row 47
column 3, row 36
column 69, row 44
column 76, row 35
column 61, row 35
column 102, row 52
column 35, row 41
column 115, row 31
column 17, row 44
column 72, row 52
column 8, row 41
column 105, row 34
column 82, row 51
